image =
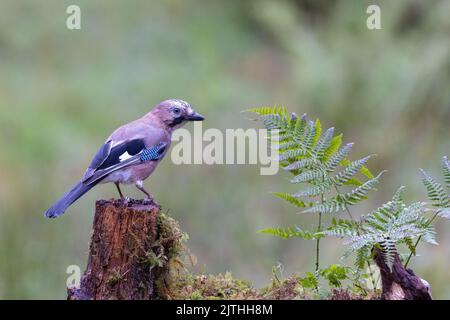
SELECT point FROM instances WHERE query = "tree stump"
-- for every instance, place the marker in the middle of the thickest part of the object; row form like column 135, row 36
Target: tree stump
column 127, row 252
column 400, row 283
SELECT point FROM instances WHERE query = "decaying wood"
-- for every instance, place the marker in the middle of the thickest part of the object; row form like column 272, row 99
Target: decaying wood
column 122, row 252
column 400, row 283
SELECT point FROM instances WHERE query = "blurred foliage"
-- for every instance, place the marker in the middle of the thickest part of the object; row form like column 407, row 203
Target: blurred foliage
column 63, row 92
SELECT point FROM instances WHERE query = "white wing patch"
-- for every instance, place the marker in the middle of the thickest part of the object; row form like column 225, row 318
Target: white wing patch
column 124, row 156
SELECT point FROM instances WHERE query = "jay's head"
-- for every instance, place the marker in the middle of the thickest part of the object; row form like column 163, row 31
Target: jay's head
column 175, row 113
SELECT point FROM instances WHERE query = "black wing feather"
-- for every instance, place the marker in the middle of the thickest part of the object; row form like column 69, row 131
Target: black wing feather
column 108, row 156
column 154, row 153
column 133, row 147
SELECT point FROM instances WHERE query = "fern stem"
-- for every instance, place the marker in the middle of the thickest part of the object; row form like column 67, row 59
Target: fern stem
column 374, row 282
column 420, row 238
column 319, row 228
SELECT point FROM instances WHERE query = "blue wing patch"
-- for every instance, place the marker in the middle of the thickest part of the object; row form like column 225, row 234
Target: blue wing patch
column 153, row 153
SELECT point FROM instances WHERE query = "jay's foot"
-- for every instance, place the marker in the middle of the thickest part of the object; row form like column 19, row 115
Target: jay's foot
column 125, row 200
column 148, row 199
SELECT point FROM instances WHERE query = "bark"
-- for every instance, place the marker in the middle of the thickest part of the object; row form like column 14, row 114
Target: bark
column 400, row 283
column 125, row 253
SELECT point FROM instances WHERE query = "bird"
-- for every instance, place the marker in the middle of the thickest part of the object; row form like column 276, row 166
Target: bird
column 131, row 153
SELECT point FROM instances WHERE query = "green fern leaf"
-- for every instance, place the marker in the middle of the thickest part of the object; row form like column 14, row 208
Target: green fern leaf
column 286, row 146
column 446, row 168
column 316, row 190
column 349, row 171
column 264, row 111
column 399, row 194
column 337, row 157
column 333, row 148
column 331, row 206
column 291, row 154
column 317, row 131
column 389, row 250
column 300, row 126
column 301, row 164
column 323, row 144
column 410, row 244
column 429, row 235
column 342, row 228
column 444, row 213
column 362, row 256
column 309, row 175
column 290, row 198
column 289, row 232
column 435, row 191
column 361, row 192
column 275, row 121
column 364, row 170
column 309, row 138
column 354, row 182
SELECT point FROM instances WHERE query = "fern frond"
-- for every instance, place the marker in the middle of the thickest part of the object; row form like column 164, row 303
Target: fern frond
column 337, row 157
column 429, row 235
column 292, row 154
column 301, row 164
column 389, row 250
column 393, row 223
column 309, row 137
column 340, row 201
column 354, row 182
column 334, row 146
column 342, row 228
column 384, row 217
column 300, row 126
column 444, row 213
column 410, row 244
column 365, row 239
column 349, row 171
column 290, row 198
column 362, row 255
column 365, row 171
column 313, row 157
column 409, row 215
column 323, row 144
column 446, row 169
column 399, row 194
column 435, row 191
column 285, row 136
column 316, row 190
column 330, row 206
column 309, row 175
column 286, row 146
column 265, row 111
column 275, row 121
column 317, row 131
column 273, row 117
column 361, row 192
column 289, row 232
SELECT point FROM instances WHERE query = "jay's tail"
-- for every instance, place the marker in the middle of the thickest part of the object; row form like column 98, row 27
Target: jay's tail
column 67, row 199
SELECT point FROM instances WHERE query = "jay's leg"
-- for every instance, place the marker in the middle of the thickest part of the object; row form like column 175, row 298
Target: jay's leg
column 120, row 191
column 140, row 185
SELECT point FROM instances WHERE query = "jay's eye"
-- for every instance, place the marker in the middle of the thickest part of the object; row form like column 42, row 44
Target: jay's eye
column 176, row 111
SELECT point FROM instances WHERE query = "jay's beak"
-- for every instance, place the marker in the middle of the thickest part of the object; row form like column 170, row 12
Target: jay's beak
column 195, row 117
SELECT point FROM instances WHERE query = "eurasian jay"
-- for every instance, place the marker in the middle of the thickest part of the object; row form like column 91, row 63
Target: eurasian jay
column 132, row 152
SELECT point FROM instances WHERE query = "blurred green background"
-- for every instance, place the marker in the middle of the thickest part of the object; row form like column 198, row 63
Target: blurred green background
column 62, row 92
